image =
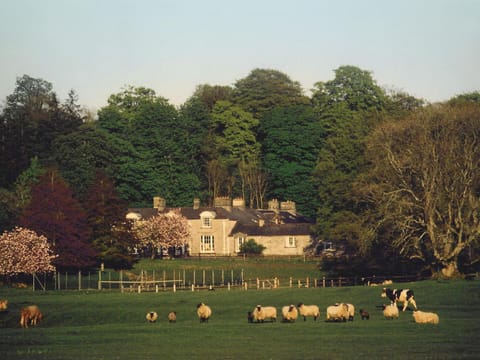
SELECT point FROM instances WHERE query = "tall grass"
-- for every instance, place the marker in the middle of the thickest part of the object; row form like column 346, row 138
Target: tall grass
column 111, row 325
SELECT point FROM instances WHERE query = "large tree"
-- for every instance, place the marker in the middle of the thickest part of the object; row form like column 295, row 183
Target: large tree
column 264, row 89
column 54, row 213
column 424, row 184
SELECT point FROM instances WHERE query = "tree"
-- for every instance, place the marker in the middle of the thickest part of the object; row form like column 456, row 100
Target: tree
column 22, row 251
column 352, row 87
column 112, row 237
column 209, row 95
column 290, row 144
column 264, row 89
column 424, row 184
column 54, row 213
column 164, row 230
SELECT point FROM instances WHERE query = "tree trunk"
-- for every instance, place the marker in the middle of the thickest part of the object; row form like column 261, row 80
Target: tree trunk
column 450, row 270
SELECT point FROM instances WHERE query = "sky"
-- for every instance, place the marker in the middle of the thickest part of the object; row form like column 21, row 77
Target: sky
column 427, row 48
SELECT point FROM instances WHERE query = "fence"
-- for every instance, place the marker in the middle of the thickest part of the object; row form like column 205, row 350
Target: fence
column 191, row 280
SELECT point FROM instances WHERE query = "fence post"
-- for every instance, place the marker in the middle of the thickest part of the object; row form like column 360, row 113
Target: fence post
column 228, row 285
column 291, row 282
column 174, row 287
column 121, row 280
column 308, row 282
column 33, row 281
column 213, row 277
column 79, row 280
column 193, row 287
column 99, row 280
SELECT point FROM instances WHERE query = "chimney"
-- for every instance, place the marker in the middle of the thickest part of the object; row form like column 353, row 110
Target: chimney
column 288, row 206
column 196, row 203
column 261, row 222
column 159, row 203
column 273, row 205
column 238, row 203
column 223, row 202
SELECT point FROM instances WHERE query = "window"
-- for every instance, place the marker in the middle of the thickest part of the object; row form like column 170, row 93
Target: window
column 239, row 241
column 291, row 242
column 207, row 222
column 207, row 244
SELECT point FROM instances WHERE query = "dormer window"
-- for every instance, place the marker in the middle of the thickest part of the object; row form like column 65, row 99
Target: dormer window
column 207, row 219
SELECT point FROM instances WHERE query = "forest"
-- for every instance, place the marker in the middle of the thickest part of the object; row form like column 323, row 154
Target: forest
column 391, row 178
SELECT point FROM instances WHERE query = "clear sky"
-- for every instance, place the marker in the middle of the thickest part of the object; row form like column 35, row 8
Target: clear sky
column 427, row 48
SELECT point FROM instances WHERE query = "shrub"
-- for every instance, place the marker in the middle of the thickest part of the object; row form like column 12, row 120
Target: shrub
column 251, row 247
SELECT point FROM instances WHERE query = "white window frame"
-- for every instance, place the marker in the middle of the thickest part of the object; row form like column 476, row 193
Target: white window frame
column 239, row 241
column 207, row 244
column 291, row 242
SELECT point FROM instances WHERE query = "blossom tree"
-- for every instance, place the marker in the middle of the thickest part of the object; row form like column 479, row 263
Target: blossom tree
column 164, row 230
column 22, row 251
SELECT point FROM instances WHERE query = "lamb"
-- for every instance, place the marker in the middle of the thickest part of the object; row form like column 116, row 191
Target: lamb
column 250, row 316
column 30, row 315
column 289, row 313
column 204, row 312
column 3, row 305
column 422, row 317
column 308, row 310
column 152, row 316
column 390, row 311
column 338, row 312
column 261, row 313
column 172, row 316
column 364, row 314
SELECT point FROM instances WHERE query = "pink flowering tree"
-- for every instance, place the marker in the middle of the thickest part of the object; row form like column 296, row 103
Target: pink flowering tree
column 164, row 230
column 22, row 251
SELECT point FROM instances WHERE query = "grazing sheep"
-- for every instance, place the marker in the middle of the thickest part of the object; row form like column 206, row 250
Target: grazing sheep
column 364, row 314
column 289, row 313
column 422, row 317
column 152, row 316
column 30, row 315
column 308, row 310
column 338, row 312
column 390, row 311
column 3, row 305
column 204, row 312
column 172, row 316
column 261, row 313
column 250, row 316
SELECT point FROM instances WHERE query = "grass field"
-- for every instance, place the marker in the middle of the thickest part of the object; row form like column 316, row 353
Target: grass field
column 111, row 325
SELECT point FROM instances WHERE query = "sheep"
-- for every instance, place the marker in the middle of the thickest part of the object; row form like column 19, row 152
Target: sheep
column 151, row 316
column 422, row 317
column 390, row 311
column 338, row 312
column 3, row 305
column 204, row 312
column 364, row 314
column 308, row 310
column 172, row 316
column 289, row 313
column 30, row 315
column 260, row 313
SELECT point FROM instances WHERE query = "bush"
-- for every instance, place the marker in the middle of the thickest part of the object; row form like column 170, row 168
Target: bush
column 251, row 247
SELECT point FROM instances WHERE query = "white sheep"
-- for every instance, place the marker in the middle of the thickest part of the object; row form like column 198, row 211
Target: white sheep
column 390, row 311
column 261, row 313
column 337, row 312
column 172, row 316
column 308, row 310
column 204, row 312
column 152, row 316
column 422, row 317
column 289, row 313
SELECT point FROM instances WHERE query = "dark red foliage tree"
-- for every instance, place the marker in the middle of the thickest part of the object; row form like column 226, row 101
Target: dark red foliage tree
column 112, row 237
column 54, row 213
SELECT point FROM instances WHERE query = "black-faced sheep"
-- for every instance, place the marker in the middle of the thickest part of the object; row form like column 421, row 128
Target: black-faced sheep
column 390, row 311
column 172, row 316
column 289, row 313
column 364, row 314
column 422, row 317
column 151, row 316
column 308, row 310
column 204, row 312
column 261, row 313
column 337, row 312
column 30, row 315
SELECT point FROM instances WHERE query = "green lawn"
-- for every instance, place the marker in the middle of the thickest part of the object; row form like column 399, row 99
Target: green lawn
column 112, row 325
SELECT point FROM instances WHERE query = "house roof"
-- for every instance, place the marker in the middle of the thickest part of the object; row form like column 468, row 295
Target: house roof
column 258, row 222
